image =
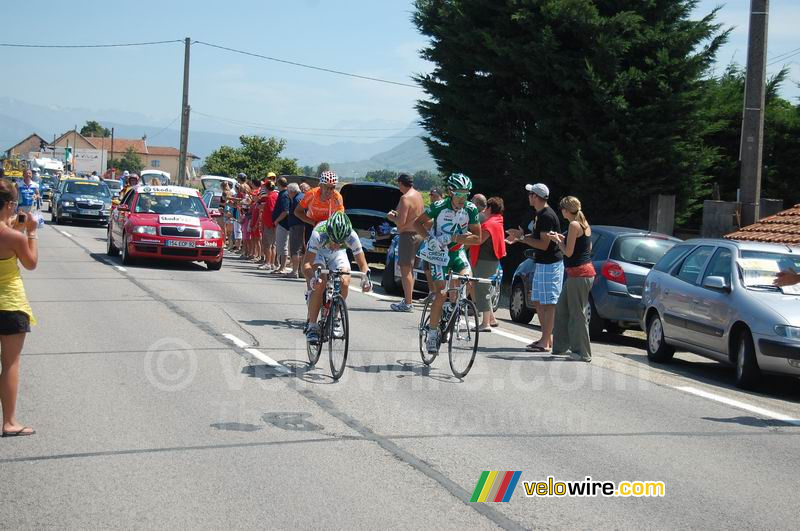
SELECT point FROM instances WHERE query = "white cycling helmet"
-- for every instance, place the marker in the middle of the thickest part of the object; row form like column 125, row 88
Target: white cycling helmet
column 328, row 177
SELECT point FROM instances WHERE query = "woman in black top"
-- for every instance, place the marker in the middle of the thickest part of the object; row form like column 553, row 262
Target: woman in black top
column 571, row 331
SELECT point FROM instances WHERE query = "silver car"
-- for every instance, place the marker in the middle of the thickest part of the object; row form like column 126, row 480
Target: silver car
column 716, row 298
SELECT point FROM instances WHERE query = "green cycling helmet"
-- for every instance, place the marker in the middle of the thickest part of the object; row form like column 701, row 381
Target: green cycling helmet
column 339, row 227
column 459, row 181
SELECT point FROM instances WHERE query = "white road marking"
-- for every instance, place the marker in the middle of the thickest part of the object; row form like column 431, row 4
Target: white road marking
column 256, row 353
column 235, row 340
column 509, row 335
column 376, row 295
column 65, row 233
column 120, row 268
column 739, row 405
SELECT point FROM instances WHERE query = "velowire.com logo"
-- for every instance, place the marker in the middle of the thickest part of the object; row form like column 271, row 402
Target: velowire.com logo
column 494, row 486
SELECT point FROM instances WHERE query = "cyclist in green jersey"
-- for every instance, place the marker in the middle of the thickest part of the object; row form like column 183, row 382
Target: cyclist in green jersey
column 450, row 223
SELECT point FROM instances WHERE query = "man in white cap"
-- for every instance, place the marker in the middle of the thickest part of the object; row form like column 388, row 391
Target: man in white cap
column 549, row 274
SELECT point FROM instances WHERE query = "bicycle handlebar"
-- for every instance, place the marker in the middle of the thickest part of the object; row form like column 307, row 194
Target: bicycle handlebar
column 465, row 278
column 354, row 274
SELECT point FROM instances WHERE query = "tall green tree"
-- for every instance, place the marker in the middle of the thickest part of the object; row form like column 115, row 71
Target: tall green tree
column 596, row 98
column 722, row 112
column 324, row 166
column 130, row 161
column 93, row 128
column 381, row 176
column 256, row 156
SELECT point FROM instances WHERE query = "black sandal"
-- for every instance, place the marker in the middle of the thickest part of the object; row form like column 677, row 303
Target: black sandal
column 20, row 433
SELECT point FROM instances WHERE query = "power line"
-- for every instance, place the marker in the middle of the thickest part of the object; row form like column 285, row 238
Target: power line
column 301, row 129
column 119, row 45
column 784, row 53
column 164, row 129
column 789, row 56
column 279, row 130
column 293, row 63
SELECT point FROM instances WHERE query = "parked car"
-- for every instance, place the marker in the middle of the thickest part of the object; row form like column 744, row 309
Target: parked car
column 392, row 284
column 213, row 201
column 622, row 257
column 715, row 298
column 165, row 222
column 81, row 200
column 366, row 204
column 47, row 184
column 114, row 186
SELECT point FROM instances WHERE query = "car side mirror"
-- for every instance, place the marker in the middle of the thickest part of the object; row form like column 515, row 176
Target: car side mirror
column 716, row 283
column 530, row 253
column 214, row 212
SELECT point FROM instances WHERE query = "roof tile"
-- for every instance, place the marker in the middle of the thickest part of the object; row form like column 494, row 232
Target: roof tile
column 783, row 227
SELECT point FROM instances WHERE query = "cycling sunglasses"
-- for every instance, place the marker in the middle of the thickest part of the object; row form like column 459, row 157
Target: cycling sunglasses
column 461, row 195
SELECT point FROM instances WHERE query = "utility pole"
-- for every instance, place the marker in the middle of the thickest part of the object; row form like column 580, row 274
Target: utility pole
column 111, row 158
column 184, row 115
column 752, row 141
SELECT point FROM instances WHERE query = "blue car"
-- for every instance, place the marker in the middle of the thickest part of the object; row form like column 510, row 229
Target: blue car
column 391, row 283
column 622, row 257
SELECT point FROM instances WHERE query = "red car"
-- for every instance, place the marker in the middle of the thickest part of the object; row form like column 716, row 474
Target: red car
column 166, row 223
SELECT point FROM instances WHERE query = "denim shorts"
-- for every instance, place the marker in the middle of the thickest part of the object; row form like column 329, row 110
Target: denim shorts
column 548, row 280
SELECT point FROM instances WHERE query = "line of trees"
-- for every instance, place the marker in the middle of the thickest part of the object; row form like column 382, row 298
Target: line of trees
column 608, row 100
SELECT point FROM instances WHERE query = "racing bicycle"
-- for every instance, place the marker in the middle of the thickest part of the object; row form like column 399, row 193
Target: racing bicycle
column 458, row 326
column 334, row 325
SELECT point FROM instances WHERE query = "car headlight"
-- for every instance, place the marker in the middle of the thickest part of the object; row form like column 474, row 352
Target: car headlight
column 142, row 229
column 211, row 234
column 789, row 332
column 68, row 203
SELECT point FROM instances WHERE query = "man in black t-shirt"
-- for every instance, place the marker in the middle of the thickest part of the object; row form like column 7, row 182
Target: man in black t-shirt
column 549, row 274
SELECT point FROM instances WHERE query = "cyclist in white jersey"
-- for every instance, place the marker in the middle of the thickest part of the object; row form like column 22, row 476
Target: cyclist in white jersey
column 449, row 225
column 327, row 248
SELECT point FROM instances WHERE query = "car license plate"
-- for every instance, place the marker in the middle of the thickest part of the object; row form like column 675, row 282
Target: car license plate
column 180, row 243
column 86, row 212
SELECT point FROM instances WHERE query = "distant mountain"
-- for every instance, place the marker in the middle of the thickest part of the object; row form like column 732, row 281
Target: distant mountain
column 18, row 119
column 410, row 156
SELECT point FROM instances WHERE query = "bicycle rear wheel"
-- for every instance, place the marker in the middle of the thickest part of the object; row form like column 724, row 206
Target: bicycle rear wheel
column 338, row 336
column 463, row 342
column 424, row 321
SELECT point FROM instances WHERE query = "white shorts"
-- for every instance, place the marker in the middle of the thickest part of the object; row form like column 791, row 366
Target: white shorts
column 237, row 230
column 332, row 260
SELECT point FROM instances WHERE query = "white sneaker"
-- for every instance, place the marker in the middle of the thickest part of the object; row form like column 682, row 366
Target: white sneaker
column 338, row 329
column 432, row 342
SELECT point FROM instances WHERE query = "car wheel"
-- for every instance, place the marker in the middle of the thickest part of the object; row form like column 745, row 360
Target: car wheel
column 596, row 323
column 214, row 266
column 127, row 259
column 111, row 249
column 520, row 313
column 747, row 372
column 388, row 282
column 657, row 348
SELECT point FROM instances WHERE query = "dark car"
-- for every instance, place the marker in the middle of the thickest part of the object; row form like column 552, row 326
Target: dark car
column 622, row 258
column 81, row 200
column 47, row 185
column 366, row 204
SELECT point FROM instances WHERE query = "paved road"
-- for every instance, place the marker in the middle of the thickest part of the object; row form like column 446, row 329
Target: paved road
column 157, row 404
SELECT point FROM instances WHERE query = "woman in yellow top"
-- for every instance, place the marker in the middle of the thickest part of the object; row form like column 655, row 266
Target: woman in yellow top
column 16, row 316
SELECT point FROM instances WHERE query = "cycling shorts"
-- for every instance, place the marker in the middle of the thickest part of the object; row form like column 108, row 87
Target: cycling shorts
column 333, row 260
column 458, row 263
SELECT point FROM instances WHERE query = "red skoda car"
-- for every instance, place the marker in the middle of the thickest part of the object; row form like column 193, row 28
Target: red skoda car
column 166, row 223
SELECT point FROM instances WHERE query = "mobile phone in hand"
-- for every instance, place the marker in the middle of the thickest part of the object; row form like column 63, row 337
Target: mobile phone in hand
column 21, row 217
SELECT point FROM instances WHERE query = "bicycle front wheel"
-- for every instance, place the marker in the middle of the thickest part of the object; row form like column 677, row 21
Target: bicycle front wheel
column 338, row 336
column 314, row 351
column 424, row 322
column 462, row 344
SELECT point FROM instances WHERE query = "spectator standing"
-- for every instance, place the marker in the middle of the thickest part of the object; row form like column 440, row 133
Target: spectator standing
column 27, row 193
column 304, row 189
column 296, row 231
column 571, row 333
column 280, row 217
column 16, row 315
column 408, row 210
column 549, row 274
column 486, row 257
column 268, row 200
column 255, row 221
column 435, row 195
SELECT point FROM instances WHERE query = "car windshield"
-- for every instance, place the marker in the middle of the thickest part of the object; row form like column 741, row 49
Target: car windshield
column 640, row 250
column 148, row 179
column 170, row 203
column 83, row 188
column 213, row 184
column 759, row 269
column 114, row 185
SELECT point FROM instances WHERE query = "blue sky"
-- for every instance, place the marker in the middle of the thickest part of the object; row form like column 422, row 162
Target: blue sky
column 367, row 37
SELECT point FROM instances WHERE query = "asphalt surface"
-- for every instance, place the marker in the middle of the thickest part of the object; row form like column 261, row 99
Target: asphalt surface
column 157, row 404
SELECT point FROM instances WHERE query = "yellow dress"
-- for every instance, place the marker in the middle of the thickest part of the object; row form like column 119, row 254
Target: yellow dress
column 12, row 292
